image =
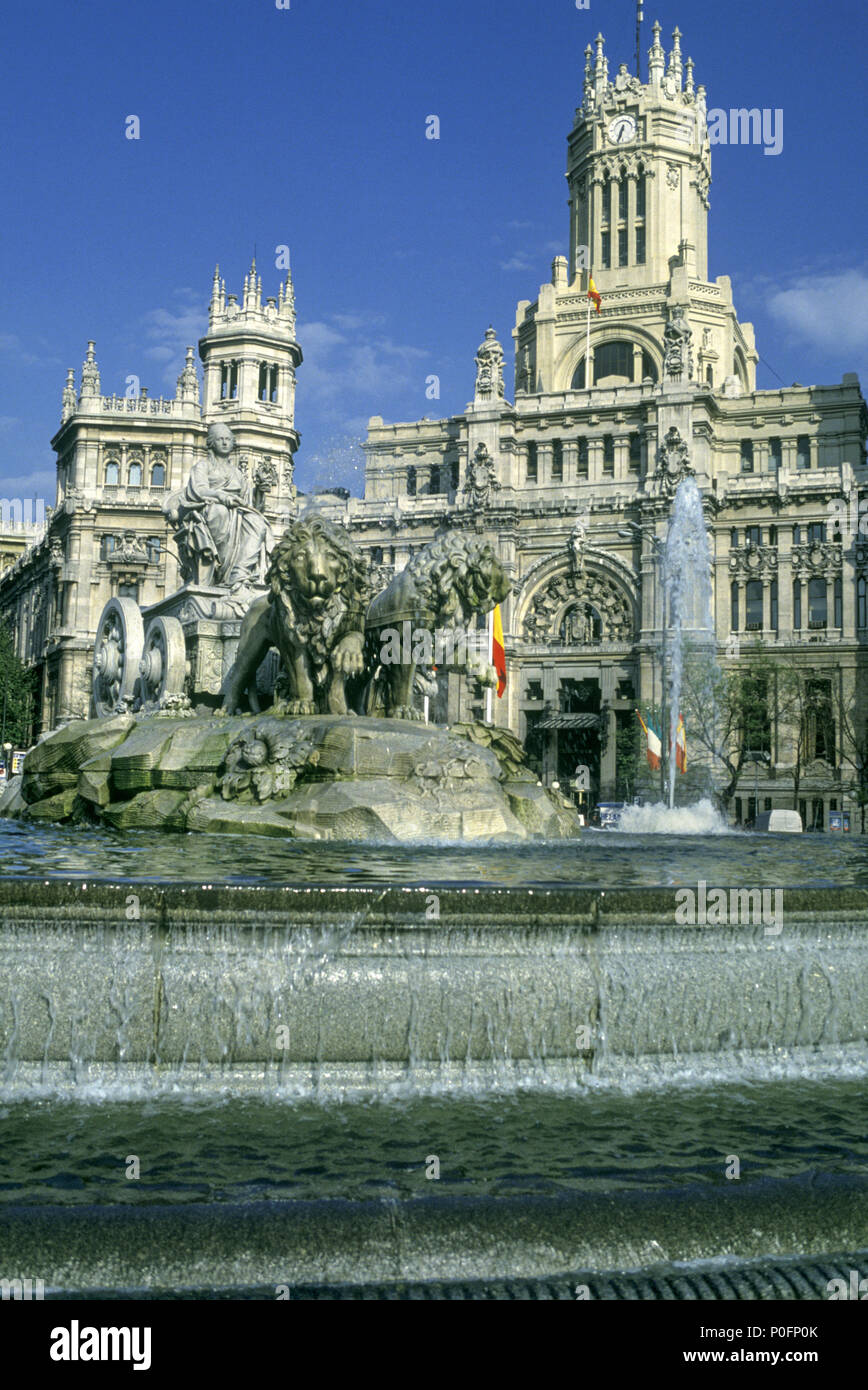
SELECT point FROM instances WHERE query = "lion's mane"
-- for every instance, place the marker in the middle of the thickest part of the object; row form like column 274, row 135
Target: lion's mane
column 318, row 630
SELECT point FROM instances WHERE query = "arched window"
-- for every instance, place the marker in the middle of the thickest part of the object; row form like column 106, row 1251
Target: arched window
column 135, row 475
column 158, row 475
column 111, row 473
column 614, row 359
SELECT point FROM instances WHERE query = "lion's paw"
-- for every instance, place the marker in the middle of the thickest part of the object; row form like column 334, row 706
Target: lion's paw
column 300, row 707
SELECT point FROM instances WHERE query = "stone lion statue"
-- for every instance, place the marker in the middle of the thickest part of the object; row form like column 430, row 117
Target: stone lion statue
column 426, row 617
column 313, row 615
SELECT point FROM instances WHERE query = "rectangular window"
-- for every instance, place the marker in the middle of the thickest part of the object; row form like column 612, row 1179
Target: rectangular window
column 640, row 245
column 622, row 246
column 733, row 537
column 839, row 604
column 622, row 199
column 747, row 456
column 753, row 535
column 609, row 453
column 733, row 608
column 797, row 604
column 816, row 532
column 557, row 461
column 776, row 455
column 583, row 458
column 803, row 451
column 797, row 535
column 606, row 250
column 640, row 196
column 154, row 550
column 773, row 596
column 531, row 475
column 635, row 452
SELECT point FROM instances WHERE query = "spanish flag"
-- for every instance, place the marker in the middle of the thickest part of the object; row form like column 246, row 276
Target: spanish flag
column 594, row 293
column 498, row 653
column 681, row 746
column 653, row 746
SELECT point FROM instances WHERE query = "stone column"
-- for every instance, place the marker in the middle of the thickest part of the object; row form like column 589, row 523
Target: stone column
column 631, row 217
column 596, row 223
column 608, row 760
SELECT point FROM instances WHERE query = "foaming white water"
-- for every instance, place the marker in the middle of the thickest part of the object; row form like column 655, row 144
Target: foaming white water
column 703, row 818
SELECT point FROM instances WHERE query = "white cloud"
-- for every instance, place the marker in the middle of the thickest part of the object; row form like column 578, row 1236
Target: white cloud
column 169, row 332
column 520, row 261
column 11, row 346
column 351, row 369
column 830, row 311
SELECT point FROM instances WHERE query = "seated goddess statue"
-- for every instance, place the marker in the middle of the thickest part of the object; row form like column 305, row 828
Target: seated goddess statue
column 223, row 541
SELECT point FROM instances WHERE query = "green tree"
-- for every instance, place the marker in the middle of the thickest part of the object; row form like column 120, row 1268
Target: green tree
column 16, row 694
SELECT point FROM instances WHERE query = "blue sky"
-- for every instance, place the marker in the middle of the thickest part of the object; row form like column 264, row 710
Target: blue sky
column 306, row 126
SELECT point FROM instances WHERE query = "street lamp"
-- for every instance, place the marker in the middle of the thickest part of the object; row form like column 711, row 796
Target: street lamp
column 7, row 757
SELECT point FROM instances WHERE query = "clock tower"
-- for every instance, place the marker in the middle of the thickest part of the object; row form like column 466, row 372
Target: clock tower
column 638, row 171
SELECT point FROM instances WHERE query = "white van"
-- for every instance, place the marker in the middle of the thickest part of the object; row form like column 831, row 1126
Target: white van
column 779, row 820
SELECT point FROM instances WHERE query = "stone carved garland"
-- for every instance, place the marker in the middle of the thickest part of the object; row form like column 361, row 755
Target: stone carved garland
column 816, row 558
column 584, row 589
column 265, row 763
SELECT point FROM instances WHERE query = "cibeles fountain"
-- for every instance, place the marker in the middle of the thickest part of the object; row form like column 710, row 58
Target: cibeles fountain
column 398, row 948
column 187, row 737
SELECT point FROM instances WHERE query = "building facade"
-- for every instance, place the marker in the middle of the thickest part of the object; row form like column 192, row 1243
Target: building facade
column 574, row 476
column 118, row 460
column 571, row 473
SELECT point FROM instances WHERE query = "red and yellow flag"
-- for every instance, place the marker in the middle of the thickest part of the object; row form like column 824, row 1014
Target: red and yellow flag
column 498, row 652
column 594, row 293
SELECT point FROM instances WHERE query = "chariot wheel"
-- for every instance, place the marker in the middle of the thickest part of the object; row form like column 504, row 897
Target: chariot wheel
column 163, row 667
column 120, row 639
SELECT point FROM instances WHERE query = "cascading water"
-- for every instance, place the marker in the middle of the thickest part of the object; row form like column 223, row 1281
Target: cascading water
column 688, row 600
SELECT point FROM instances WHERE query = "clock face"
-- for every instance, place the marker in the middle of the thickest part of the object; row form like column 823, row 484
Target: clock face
column 622, row 130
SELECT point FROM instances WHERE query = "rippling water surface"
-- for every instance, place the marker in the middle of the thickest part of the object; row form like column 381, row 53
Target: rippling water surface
column 598, row 858
column 255, row 1150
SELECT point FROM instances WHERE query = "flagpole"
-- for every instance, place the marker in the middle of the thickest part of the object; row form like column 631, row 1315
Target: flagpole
column 489, row 693
column 588, row 341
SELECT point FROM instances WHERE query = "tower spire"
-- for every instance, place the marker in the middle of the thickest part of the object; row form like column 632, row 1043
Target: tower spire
column 639, row 17
column 655, row 56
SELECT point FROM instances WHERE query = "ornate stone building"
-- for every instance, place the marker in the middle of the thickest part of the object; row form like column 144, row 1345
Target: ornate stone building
column 119, row 458
column 574, row 475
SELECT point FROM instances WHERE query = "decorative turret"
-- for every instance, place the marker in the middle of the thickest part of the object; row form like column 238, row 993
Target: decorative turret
column 656, row 57
column 601, row 68
column 588, row 88
column 688, row 80
column 249, row 357
column 188, row 381
column 674, row 70
column 90, row 385
column 69, row 400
